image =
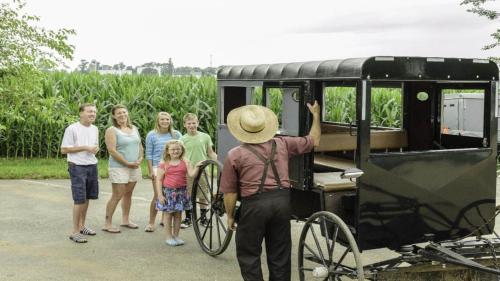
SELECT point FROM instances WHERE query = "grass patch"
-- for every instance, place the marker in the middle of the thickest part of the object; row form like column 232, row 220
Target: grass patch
column 41, row 168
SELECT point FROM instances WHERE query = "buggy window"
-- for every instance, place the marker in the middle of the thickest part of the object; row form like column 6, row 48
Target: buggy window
column 386, row 124
column 284, row 102
column 422, row 116
column 256, row 95
column 462, row 118
column 274, row 101
column 279, row 99
column 463, row 112
column 232, row 98
column 339, row 104
column 386, row 107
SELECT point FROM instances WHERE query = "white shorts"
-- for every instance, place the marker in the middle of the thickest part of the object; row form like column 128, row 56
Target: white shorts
column 124, row 175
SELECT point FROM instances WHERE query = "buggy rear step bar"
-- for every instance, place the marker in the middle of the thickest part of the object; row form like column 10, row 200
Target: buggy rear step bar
column 436, row 252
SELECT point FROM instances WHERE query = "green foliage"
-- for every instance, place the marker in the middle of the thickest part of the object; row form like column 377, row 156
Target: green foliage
column 386, row 107
column 35, row 130
column 274, row 99
column 42, row 168
column 340, row 106
column 477, row 7
column 24, row 49
column 24, row 45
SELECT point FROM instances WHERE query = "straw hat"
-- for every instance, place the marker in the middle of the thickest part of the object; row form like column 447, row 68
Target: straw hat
column 252, row 123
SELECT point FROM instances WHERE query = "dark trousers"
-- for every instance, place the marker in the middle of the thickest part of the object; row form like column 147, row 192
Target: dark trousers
column 265, row 216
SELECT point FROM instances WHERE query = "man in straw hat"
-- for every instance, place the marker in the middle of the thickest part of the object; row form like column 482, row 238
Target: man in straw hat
column 258, row 171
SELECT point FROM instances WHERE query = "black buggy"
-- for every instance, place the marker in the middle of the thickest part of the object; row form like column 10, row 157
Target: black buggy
column 412, row 187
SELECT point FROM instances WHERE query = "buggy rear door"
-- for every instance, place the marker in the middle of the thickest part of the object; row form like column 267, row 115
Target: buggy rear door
column 288, row 100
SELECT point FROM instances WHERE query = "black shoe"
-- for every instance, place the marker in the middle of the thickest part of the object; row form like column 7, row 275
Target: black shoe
column 204, row 221
column 186, row 223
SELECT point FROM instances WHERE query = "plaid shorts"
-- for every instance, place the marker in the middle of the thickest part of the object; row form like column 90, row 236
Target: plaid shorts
column 84, row 184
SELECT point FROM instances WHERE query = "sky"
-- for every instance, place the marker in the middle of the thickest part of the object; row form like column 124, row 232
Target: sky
column 232, row 32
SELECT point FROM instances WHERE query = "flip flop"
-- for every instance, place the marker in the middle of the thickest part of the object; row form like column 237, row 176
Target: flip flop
column 149, row 228
column 111, row 230
column 130, row 225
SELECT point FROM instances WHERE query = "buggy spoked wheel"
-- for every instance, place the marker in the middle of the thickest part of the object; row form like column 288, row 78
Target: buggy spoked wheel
column 208, row 215
column 328, row 251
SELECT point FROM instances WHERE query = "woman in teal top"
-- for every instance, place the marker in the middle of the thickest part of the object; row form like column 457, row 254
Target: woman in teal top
column 125, row 156
column 155, row 144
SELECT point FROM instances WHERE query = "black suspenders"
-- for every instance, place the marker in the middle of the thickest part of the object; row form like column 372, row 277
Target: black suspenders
column 266, row 164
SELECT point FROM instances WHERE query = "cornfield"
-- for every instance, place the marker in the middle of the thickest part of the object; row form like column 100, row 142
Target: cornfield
column 29, row 130
column 340, row 105
column 36, row 131
column 385, row 106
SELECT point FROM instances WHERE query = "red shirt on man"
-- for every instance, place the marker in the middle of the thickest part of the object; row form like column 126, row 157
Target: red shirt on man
column 251, row 169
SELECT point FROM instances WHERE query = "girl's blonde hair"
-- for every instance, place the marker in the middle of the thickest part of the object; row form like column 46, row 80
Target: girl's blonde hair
column 166, row 156
column 115, row 123
column 170, row 127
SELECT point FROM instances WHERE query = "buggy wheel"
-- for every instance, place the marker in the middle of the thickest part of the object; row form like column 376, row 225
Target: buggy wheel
column 327, row 250
column 208, row 215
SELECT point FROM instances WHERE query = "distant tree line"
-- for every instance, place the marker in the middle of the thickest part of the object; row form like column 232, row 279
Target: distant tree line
column 150, row 68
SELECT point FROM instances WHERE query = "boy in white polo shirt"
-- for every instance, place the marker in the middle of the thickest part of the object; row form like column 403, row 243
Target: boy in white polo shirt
column 81, row 143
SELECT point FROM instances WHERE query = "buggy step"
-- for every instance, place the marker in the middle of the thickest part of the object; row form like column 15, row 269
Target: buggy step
column 333, row 182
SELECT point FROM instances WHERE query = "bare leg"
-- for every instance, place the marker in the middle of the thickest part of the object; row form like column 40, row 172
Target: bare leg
column 127, row 202
column 77, row 214
column 117, row 194
column 152, row 207
column 177, row 223
column 167, row 221
column 84, row 214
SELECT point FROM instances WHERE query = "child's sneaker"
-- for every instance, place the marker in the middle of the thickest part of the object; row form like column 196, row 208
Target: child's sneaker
column 186, row 223
column 171, row 242
column 179, row 241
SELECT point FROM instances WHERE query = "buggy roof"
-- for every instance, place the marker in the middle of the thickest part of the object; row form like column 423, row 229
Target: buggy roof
column 379, row 68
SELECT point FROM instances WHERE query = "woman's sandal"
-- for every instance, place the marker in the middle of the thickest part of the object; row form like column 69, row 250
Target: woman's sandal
column 149, row 228
column 111, row 230
column 130, row 225
column 87, row 231
column 78, row 238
